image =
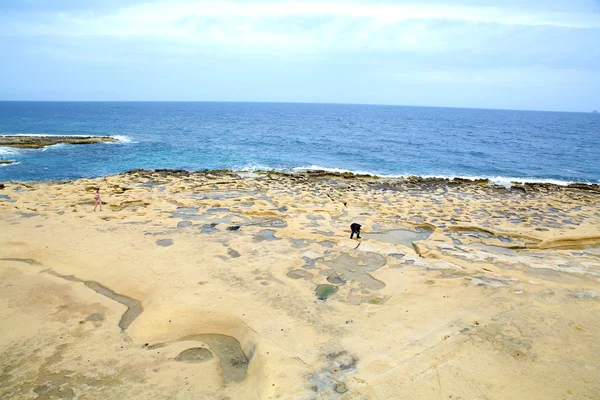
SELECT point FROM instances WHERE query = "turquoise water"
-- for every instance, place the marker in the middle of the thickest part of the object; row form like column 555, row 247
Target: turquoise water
column 383, row 140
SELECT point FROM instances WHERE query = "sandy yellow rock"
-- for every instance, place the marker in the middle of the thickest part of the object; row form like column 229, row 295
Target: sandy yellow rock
column 457, row 290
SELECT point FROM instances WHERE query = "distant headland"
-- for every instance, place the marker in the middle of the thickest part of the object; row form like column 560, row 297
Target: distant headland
column 40, row 141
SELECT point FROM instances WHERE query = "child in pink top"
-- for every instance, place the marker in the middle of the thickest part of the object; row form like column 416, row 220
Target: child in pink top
column 98, row 200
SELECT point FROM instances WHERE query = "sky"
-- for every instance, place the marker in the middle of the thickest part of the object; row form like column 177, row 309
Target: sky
column 508, row 54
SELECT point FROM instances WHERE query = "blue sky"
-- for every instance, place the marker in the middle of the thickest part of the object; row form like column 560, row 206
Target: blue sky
column 528, row 54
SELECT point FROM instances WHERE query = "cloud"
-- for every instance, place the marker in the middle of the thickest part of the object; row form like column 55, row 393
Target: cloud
column 309, row 27
column 381, row 47
column 185, row 19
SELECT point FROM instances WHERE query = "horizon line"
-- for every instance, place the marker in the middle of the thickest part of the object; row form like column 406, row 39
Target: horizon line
column 293, row 102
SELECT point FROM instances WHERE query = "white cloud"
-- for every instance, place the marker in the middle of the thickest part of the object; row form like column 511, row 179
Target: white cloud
column 438, row 34
column 248, row 23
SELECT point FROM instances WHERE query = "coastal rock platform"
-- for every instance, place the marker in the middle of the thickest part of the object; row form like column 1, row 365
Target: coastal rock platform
column 40, row 141
column 219, row 285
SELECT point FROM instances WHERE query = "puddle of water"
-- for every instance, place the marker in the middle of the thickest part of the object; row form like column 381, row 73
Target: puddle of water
column 327, row 243
column 324, row 291
column 336, row 280
column 186, row 210
column 233, row 361
column 485, row 280
column 134, row 307
column 28, row 215
column 194, row 355
column 299, row 274
column 152, row 184
column 356, row 268
column 550, row 274
column 474, row 233
column 209, row 228
column 217, row 210
column 273, row 223
column 7, row 198
column 403, row 237
column 300, row 243
column 265, row 234
column 495, row 249
column 164, row 242
column 29, row 261
column 324, row 233
column 186, row 213
column 191, row 213
column 223, row 195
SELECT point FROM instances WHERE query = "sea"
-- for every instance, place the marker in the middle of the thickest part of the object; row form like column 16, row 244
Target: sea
column 504, row 146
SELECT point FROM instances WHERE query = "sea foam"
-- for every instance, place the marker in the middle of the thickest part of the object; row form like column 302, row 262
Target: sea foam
column 121, row 139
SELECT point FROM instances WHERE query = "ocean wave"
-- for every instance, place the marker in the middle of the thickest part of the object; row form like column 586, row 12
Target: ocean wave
column 508, row 181
column 8, row 151
column 498, row 180
column 337, row 170
column 257, row 167
column 55, row 146
column 121, row 139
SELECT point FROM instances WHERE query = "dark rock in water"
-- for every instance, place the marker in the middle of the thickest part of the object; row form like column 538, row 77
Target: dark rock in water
column 6, row 162
column 324, row 291
column 583, row 186
column 461, row 180
column 233, row 228
column 477, row 181
column 541, row 186
column 164, row 242
column 233, row 253
column 184, row 224
column 194, row 355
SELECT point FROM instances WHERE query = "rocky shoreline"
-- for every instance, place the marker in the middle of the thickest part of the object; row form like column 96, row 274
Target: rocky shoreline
column 41, row 141
column 251, row 282
column 386, row 182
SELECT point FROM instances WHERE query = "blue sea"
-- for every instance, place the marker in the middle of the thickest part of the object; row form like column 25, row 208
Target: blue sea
column 382, row 140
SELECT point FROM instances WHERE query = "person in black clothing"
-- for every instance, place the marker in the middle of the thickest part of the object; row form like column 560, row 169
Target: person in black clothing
column 355, row 229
